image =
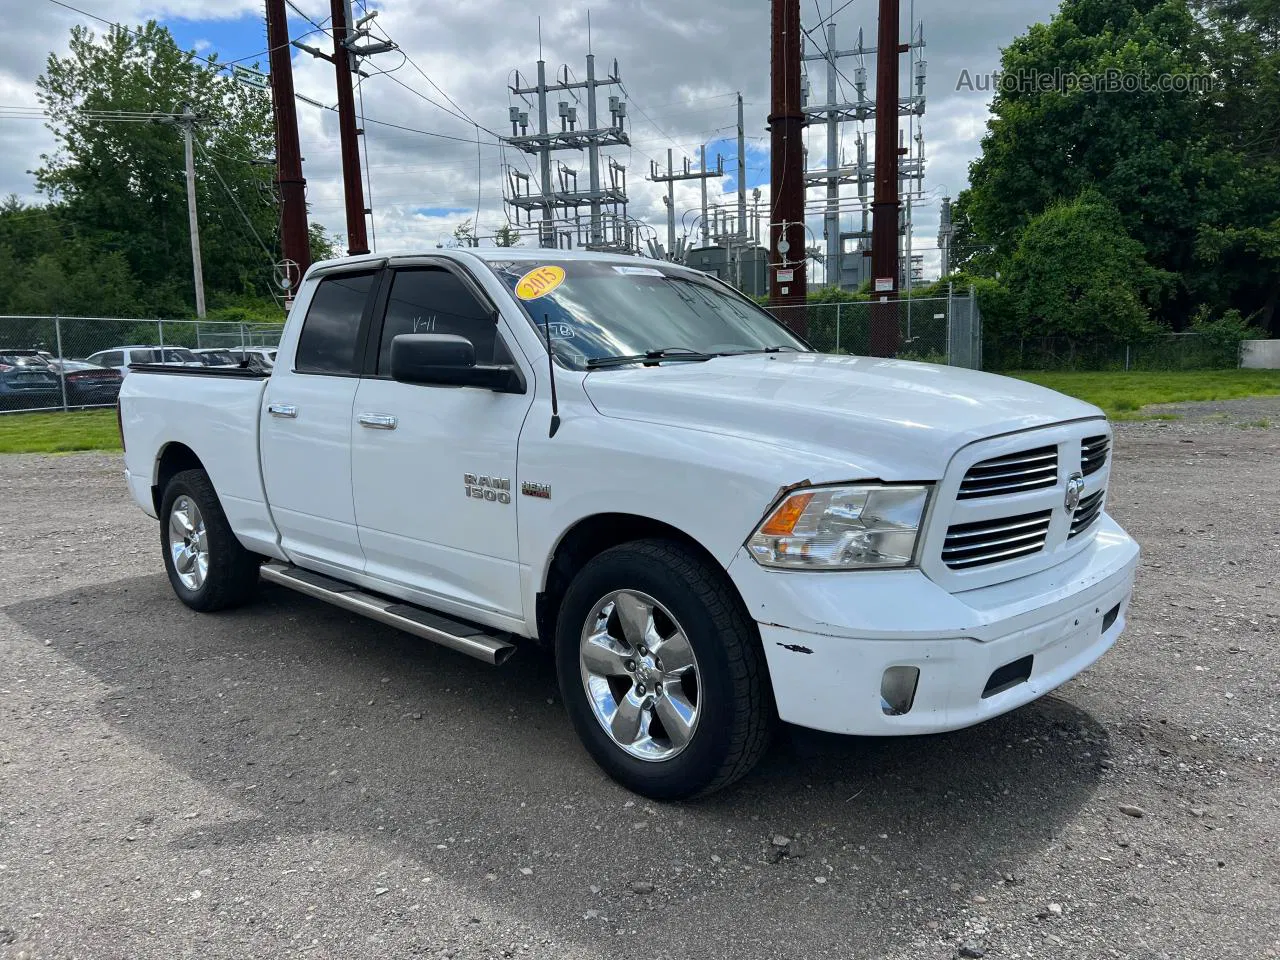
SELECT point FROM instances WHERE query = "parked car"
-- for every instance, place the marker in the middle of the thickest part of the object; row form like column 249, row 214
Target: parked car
column 263, row 358
column 216, row 357
column 27, row 381
column 87, row 383
column 710, row 525
column 122, row 357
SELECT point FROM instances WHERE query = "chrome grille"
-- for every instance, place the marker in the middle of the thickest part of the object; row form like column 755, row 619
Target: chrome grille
column 1093, row 454
column 1089, row 510
column 971, row 545
column 1016, row 473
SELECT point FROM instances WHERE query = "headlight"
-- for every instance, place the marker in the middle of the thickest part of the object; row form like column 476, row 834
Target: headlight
column 842, row 528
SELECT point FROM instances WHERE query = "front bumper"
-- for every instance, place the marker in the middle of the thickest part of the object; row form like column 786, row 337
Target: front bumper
column 829, row 638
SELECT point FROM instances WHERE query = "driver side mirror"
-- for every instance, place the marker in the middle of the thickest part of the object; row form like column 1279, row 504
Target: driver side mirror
column 446, row 360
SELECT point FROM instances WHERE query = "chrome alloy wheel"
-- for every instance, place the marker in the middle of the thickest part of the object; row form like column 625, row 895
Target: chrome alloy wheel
column 641, row 675
column 188, row 543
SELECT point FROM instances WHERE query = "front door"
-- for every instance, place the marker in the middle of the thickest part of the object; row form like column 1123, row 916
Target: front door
column 306, row 428
column 434, row 468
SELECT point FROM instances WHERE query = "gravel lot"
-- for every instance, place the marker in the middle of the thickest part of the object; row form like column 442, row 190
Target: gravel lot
column 287, row 779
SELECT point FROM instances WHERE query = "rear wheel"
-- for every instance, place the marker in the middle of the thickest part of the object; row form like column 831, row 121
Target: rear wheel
column 661, row 671
column 207, row 566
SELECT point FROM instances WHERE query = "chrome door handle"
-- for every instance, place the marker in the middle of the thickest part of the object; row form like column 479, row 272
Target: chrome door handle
column 286, row 410
column 378, row 421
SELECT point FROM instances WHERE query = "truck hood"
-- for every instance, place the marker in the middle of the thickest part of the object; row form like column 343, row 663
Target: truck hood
column 870, row 418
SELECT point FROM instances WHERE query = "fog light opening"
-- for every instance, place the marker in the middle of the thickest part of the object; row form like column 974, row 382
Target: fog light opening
column 898, row 690
column 1110, row 619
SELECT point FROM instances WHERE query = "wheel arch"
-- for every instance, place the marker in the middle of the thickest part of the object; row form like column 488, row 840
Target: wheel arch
column 172, row 459
column 593, row 535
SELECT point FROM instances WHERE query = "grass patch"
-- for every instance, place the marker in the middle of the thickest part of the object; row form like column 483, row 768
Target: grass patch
column 59, row 432
column 1123, row 395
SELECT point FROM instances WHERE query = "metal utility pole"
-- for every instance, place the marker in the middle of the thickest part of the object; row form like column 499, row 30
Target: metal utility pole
column 593, row 154
column 706, row 227
column 886, row 206
column 861, row 172
column 353, row 186
column 670, row 178
column 607, row 228
column 188, row 123
column 546, row 228
column 742, row 175
column 294, row 240
column 831, row 219
column 946, row 231
column 788, row 262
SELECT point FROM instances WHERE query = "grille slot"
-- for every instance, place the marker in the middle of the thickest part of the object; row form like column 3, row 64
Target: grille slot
column 971, row 545
column 1089, row 510
column 1016, row 473
column 1093, row 454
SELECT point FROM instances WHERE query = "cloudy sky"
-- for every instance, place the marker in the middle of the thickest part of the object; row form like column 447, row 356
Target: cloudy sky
column 681, row 64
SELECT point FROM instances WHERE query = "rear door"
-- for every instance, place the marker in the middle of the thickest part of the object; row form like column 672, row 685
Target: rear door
column 434, row 468
column 306, row 426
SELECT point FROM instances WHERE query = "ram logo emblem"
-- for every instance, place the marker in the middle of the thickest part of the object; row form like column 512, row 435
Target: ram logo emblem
column 492, row 489
column 1075, row 491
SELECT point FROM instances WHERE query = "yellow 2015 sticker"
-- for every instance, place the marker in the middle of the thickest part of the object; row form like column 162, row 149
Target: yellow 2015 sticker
column 538, row 283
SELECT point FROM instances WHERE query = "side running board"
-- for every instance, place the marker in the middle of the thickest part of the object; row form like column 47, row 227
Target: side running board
column 436, row 627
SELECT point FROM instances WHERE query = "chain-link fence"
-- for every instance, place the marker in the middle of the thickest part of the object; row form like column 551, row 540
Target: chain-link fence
column 936, row 330
column 64, row 363
column 1159, row 352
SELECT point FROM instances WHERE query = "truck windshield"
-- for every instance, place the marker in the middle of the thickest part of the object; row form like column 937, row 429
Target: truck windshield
column 602, row 312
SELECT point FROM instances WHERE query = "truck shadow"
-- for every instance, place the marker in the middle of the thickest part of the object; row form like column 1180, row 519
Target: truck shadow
column 339, row 724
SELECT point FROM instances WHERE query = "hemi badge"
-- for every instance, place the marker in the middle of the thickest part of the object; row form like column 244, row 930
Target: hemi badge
column 540, row 490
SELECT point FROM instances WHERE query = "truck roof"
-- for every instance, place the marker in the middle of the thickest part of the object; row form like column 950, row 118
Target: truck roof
column 486, row 254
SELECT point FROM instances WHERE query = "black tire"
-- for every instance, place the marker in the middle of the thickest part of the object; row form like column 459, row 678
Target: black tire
column 735, row 703
column 232, row 576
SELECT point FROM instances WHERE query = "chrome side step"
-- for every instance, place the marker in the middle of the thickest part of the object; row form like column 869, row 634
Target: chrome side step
column 436, row 627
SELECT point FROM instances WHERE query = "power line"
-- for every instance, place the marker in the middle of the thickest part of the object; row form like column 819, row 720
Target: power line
column 822, row 21
column 239, row 209
column 387, row 123
column 210, row 61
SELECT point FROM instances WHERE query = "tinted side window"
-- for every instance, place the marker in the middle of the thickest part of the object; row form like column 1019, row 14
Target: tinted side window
column 328, row 340
column 436, row 301
column 112, row 360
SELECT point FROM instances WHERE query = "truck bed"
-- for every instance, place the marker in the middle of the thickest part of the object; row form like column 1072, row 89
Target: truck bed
column 216, row 414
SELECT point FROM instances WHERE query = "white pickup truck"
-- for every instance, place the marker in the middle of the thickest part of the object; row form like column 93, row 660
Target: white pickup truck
column 710, row 525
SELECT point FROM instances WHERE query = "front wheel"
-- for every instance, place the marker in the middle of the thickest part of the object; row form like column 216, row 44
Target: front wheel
column 208, row 567
column 661, row 671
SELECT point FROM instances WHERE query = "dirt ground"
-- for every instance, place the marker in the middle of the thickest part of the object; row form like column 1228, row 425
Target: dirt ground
column 286, row 779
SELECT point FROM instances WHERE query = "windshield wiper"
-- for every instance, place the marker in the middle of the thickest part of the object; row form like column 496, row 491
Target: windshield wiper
column 744, row 353
column 651, row 356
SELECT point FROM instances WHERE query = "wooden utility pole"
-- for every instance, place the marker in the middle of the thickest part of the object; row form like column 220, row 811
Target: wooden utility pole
column 187, row 120
column 885, row 208
column 357, row 239
column 788, row 283
column 295, row 243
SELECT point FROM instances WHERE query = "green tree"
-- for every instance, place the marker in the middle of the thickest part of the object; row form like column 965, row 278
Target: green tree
column 1076, row 274
column 1138, row 148
column 120, row 182
column 1192, row 172
column 1239, row 247
column 507, row 236
column 465, row 234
